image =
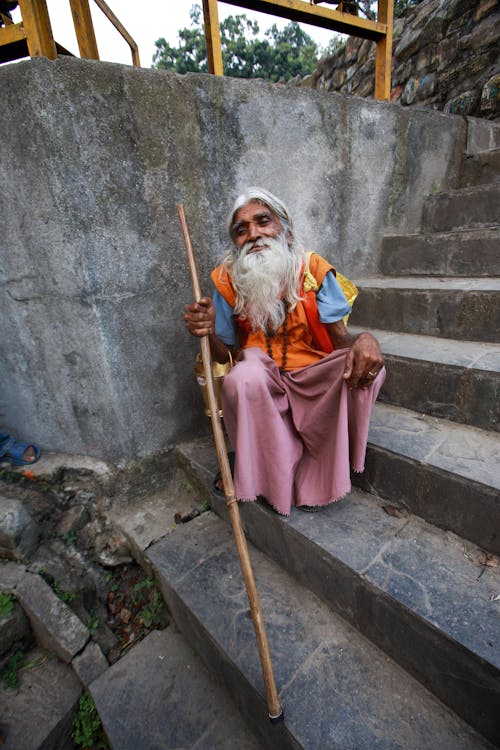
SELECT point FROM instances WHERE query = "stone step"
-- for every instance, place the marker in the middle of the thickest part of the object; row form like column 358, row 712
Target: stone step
column 455, row 380
column 443, row 472
column 481, row 168
column 462, row 253
column 456, row 308
column 39, row 714
column 160, row 696
column 337, row 689
column 469, row 207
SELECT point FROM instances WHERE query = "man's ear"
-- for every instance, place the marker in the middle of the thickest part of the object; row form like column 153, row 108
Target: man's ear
column 289, row 235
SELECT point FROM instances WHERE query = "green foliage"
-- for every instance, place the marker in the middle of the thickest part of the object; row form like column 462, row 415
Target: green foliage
column 6, row 605
column 10, row 675
column 65, row 596
column 69, row 538
column 401, row 6
column 93, row 624
column 153, row 611
column 368, row 8
column 279, row 55
column 87, row 727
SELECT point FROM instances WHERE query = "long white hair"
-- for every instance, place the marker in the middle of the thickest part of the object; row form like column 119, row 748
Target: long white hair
column 265, row 280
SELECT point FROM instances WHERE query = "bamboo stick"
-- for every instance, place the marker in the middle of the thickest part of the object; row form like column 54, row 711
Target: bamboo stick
column 274, row 707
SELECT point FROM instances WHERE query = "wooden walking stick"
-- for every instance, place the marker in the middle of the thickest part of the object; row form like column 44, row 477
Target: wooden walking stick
column 274, row 708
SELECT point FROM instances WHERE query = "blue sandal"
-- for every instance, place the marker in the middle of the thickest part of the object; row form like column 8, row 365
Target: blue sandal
column 12, row 450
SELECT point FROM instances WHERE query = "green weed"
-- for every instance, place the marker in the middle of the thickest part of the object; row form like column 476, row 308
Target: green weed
column 6, row 605
column 10, row 675
column 69, row 538
column 87, row 726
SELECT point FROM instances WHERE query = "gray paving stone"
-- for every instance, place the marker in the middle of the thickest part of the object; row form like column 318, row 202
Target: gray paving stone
column 422, row 595
column 481, row 169
column 467, row 451
column 465, row 208
column 468, row 354
column 337, row 689
column 90, row 664
column 465, row 253
column 459, row 381
column 160, row 697
column 56, row 627
column 153, row 519
column 39, row 715
column 460, row 308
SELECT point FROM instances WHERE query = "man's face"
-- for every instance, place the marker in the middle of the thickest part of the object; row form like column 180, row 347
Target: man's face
column 255, row 222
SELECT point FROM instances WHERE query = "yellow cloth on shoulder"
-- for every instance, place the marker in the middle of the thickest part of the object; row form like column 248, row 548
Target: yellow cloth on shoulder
column 349, row 289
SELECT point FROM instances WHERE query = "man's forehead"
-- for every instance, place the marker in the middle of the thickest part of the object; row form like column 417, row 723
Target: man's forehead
column 251, row 210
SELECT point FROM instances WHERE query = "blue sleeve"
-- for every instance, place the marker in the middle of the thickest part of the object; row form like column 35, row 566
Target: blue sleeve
column 332, row 305
column 225, row 325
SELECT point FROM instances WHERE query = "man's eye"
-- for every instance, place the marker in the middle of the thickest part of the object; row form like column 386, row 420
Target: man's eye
column 240, row 231
column 264, row 221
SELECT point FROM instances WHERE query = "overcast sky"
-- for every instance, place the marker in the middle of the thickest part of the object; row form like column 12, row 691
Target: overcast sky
column 146, row 21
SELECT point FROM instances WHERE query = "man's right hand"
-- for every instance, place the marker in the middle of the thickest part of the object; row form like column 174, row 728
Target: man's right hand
column 199, row 317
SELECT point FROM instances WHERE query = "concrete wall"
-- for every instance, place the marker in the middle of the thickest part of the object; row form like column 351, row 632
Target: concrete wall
column 94, row 158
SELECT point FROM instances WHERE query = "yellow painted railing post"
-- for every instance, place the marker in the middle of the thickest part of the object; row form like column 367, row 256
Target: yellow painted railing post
column 383, row 56
column 84, row 29
column 36, row 24
column 212, row 36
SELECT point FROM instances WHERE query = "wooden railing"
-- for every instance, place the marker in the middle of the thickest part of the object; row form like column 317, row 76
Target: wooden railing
column 33, row 35
column 303, row 11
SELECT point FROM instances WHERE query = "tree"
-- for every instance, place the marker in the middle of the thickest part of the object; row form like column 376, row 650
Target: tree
column 369, row 8
column 280, row 54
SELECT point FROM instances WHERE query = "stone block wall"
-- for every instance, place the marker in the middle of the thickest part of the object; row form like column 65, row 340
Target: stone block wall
column 446, row 55
column 94, row 357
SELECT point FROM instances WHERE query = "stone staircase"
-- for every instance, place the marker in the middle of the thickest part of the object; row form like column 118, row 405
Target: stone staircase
column 383, row 611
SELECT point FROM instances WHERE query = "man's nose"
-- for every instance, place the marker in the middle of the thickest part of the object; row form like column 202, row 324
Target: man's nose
column 253, row 231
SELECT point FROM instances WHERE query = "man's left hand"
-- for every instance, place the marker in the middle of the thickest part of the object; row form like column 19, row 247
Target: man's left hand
column 363, row 362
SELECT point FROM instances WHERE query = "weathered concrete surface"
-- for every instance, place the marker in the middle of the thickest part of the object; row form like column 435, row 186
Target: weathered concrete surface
column 39, row 715
column 374, row 703
column 56, row 627
column 160, row 697
column 94, row 356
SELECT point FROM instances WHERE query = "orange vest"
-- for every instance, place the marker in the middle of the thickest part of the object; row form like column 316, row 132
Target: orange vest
column 308, row 339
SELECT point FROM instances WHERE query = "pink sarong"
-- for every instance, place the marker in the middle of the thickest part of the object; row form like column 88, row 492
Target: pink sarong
column 297, row 433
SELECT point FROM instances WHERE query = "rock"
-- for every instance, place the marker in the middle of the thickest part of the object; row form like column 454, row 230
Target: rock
column 18, row 531
column 13, row 628
column 464, row 104
column 10, row 575
column 55, row 626
column 39, row 714
column 485, row 33
column 490, row 96
column 410, row 91
column 426, row 87
column 484, row 8
column 90, row 664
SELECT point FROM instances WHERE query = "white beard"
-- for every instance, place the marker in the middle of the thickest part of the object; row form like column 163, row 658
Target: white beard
column 263, row 279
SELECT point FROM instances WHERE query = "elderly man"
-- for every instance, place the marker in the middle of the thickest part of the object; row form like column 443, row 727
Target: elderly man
column 297, row 403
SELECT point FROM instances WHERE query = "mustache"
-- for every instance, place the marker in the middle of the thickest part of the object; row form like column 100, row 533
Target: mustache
column 251, row 245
